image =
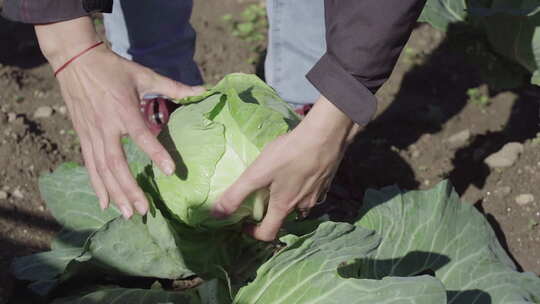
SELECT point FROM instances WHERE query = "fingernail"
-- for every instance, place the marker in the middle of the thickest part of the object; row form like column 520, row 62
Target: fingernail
column 168, row 167
column 126, row 211
column 102, row 204
column 141, row 207
column 218, row 211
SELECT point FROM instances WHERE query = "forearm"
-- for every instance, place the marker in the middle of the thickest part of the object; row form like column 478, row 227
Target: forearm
column 61, row 41
column 329, row 124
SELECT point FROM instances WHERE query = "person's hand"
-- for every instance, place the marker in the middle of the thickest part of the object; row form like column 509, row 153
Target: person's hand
column 102, row 92
column 297, row 168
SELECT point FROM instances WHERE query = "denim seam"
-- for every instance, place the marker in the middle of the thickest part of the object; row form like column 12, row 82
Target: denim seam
column 276, row 32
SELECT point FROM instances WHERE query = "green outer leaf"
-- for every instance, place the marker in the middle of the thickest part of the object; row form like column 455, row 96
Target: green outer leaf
column 196, row 144
column 431, row 229
column 441, row 13
column 252, row 89
column 71, row 199
column 43, row 268
column 136, row 158
column 142, row 246
column 308, row 271
column 127, row 295
column 512, row 27
column 516, row 38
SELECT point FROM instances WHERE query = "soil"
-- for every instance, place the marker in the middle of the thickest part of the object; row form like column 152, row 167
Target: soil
column 421, row 106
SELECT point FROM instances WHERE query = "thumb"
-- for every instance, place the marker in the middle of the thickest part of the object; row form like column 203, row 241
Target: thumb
column 175, row 89
column 235, row 195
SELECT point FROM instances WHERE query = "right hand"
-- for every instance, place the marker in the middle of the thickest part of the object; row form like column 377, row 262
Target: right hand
column 102, row 92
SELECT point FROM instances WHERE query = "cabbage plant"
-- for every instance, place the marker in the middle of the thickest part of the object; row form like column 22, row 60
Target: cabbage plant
column 512, row 29
column 213, row 138
column 417, row 247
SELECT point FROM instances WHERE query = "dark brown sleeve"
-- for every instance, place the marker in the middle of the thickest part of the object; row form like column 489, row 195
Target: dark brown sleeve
column 364, row 39
column 48, row 11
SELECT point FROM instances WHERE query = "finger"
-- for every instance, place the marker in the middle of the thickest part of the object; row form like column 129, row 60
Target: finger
column 95, row 179
column 175, row 89
column 119, row 168
column 235, row 195
column 113, row 188
column 269, row 227
column 143, row 137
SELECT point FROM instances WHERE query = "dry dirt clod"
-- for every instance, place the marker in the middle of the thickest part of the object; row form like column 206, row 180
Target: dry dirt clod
column 62, row 110
column 3, row 195
column 11, row 116
column 503, row 191
column 506, row 157
column 524, row 199
column 459, row 139
column 43, row 112
column 18, row 194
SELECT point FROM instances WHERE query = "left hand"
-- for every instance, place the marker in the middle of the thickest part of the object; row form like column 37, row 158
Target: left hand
column 297, row 167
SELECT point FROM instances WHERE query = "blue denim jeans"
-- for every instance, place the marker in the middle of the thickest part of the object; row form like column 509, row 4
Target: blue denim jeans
column 157, row 34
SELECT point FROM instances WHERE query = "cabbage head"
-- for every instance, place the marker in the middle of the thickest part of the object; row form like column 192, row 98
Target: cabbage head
column 213, row 138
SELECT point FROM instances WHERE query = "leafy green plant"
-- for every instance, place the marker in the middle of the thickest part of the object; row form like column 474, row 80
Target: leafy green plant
column 510, row 27
column 252, row 27
column 215, row 137
column 405, row 247
column 478, row 97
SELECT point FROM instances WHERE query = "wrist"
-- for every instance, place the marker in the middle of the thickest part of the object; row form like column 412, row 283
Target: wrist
column 329, row 123
column 60, row 41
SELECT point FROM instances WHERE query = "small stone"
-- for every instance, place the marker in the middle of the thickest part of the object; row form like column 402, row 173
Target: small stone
column 459, row 139
column 43, row 112
column 502, row 191
column 62, row 110
column 3, row 195
column 11, row 116
column 524, row 199
column 415, row 154
column 506, row 157
column 18, row 194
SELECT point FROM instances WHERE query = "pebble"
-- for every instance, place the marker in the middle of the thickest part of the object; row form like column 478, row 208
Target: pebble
column 62, row 110
column 11, row 116
column 503, row 191
column 506, row 157
column 415, row 154
column 3, row 195
column 18, row 194
column 43, row 112
column 459, row 139
column 524, row 199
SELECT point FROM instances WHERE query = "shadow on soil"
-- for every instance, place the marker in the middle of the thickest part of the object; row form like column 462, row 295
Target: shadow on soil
column 431, row 94
column 19, row 45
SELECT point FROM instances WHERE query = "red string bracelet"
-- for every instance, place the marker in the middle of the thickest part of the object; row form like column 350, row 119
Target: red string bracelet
column 77, row 56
